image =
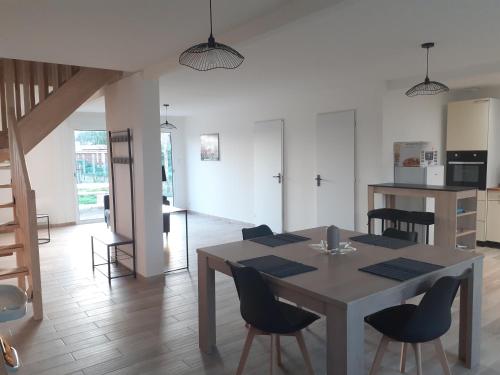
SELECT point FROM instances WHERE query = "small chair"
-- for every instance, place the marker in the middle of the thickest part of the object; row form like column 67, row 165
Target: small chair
column 411, row 324
column 107, row 211
column 260, row 231
column 265, row 315
column 386, row 214
column 166, row 216
column 402, row 235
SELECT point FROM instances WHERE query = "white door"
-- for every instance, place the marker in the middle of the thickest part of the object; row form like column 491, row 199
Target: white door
column 335, row 169
column 268, row 174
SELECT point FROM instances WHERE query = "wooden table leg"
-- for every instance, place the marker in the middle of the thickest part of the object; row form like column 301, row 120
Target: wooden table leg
column 345, row 353
column 206, row 305
column 470, row 316
column 445, row 224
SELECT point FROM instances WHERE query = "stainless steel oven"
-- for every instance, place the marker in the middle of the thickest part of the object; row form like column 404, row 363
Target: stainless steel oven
column 466, row 168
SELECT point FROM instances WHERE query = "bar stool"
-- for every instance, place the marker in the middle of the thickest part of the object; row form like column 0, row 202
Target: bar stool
column 420, row 218
column 391, row 214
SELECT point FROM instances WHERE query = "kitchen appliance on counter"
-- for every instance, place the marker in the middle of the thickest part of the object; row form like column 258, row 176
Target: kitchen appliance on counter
column 467, row 168
column 414, row 154
column 431, row 175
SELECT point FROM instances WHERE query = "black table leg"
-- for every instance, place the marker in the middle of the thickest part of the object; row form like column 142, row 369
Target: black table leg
column 187, row 242
column 48, row 227
column 92, row 246
column 109, row 265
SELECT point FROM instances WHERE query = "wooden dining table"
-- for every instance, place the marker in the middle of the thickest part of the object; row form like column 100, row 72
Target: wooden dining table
column 343, row 294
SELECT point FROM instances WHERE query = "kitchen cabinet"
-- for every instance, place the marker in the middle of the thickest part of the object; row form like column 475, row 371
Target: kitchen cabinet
column 493, row 223
column 481, row 216
column 468, row 124
column 493, row 215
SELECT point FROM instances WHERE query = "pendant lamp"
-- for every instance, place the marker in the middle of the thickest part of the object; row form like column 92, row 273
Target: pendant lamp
column 211, row 55
column 427, row 87
column 167, row 125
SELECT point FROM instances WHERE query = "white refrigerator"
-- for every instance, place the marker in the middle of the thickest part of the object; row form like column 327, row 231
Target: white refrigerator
column 431, row 175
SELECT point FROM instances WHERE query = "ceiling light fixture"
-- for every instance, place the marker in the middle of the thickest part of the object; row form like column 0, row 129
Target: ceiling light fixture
column 427, row 87
column 211, row 55
column 167, row 125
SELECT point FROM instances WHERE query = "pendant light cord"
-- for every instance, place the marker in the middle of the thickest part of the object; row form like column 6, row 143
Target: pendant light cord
column 427, row 72
column 211, row 31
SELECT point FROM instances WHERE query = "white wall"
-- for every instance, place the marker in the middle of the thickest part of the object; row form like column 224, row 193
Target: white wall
column 225, row 188
column 133, row 102
column 421, row 118
column 51, row 166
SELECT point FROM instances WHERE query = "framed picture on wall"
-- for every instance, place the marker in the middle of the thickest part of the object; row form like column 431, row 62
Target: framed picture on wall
column 210, row 147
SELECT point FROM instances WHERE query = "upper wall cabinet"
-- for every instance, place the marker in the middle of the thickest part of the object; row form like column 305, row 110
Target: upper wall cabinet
column 468, row 123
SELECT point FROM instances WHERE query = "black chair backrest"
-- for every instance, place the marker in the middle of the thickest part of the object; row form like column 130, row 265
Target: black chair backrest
column 258, row 305
column 402, row 235
column 432, row 318
column 106, row 202
column 260, row 231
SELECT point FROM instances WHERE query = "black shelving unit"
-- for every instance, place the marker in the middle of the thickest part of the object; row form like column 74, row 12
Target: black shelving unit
column 110, row 239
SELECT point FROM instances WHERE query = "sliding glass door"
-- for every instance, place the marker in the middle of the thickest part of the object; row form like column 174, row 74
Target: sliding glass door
column 166, row 160
column 91, row 173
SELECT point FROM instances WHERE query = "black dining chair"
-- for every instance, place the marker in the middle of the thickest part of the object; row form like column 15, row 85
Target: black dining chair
column 265, row 315
column 402, row 235
column 414, row 325
column 260, row 231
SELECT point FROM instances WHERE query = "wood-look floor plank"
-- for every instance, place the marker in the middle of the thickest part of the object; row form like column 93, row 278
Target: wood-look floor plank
column 150, row 327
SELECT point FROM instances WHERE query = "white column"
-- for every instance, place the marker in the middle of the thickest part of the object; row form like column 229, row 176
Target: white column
column 133, row 102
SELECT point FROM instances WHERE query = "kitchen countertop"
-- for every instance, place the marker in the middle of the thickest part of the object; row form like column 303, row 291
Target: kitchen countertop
column 424, row 187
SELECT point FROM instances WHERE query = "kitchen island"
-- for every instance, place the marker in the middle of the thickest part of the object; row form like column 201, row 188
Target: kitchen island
column 455, row 209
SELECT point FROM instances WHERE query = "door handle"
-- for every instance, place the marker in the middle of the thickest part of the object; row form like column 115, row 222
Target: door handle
column 279, row 177
column 318, row 180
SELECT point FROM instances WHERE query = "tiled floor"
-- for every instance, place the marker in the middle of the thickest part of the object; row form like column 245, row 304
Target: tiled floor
column 150, row 327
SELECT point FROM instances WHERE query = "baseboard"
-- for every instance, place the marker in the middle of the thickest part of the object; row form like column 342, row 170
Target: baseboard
column 491, row 244
column 58, row 225
column 231, row 221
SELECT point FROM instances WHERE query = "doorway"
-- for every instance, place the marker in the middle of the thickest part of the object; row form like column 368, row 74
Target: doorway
column 167, row 163
column 268, row 174
column 335, row 169
column 91, row 173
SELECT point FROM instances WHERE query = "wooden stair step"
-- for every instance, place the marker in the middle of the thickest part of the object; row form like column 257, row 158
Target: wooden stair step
column 7, row 250
column 7, row 166
column 5, row 186
column 10, row 273
column 7, row 205
column 9, row 227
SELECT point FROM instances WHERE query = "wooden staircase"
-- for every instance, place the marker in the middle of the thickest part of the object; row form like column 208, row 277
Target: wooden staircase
column 35, row 98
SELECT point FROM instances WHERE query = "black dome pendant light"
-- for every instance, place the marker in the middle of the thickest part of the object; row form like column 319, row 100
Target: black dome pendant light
column 427, row 87
column 167, row 125
column 211, row 55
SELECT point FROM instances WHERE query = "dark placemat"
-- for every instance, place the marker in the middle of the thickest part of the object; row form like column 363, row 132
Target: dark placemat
column 401, row 269
column 277, row 266
column 279, row 239
column 383, row 241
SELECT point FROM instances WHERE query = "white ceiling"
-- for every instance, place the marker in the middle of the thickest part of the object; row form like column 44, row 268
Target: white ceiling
column 291, row 47
column 348, row 44
column 130, row 34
